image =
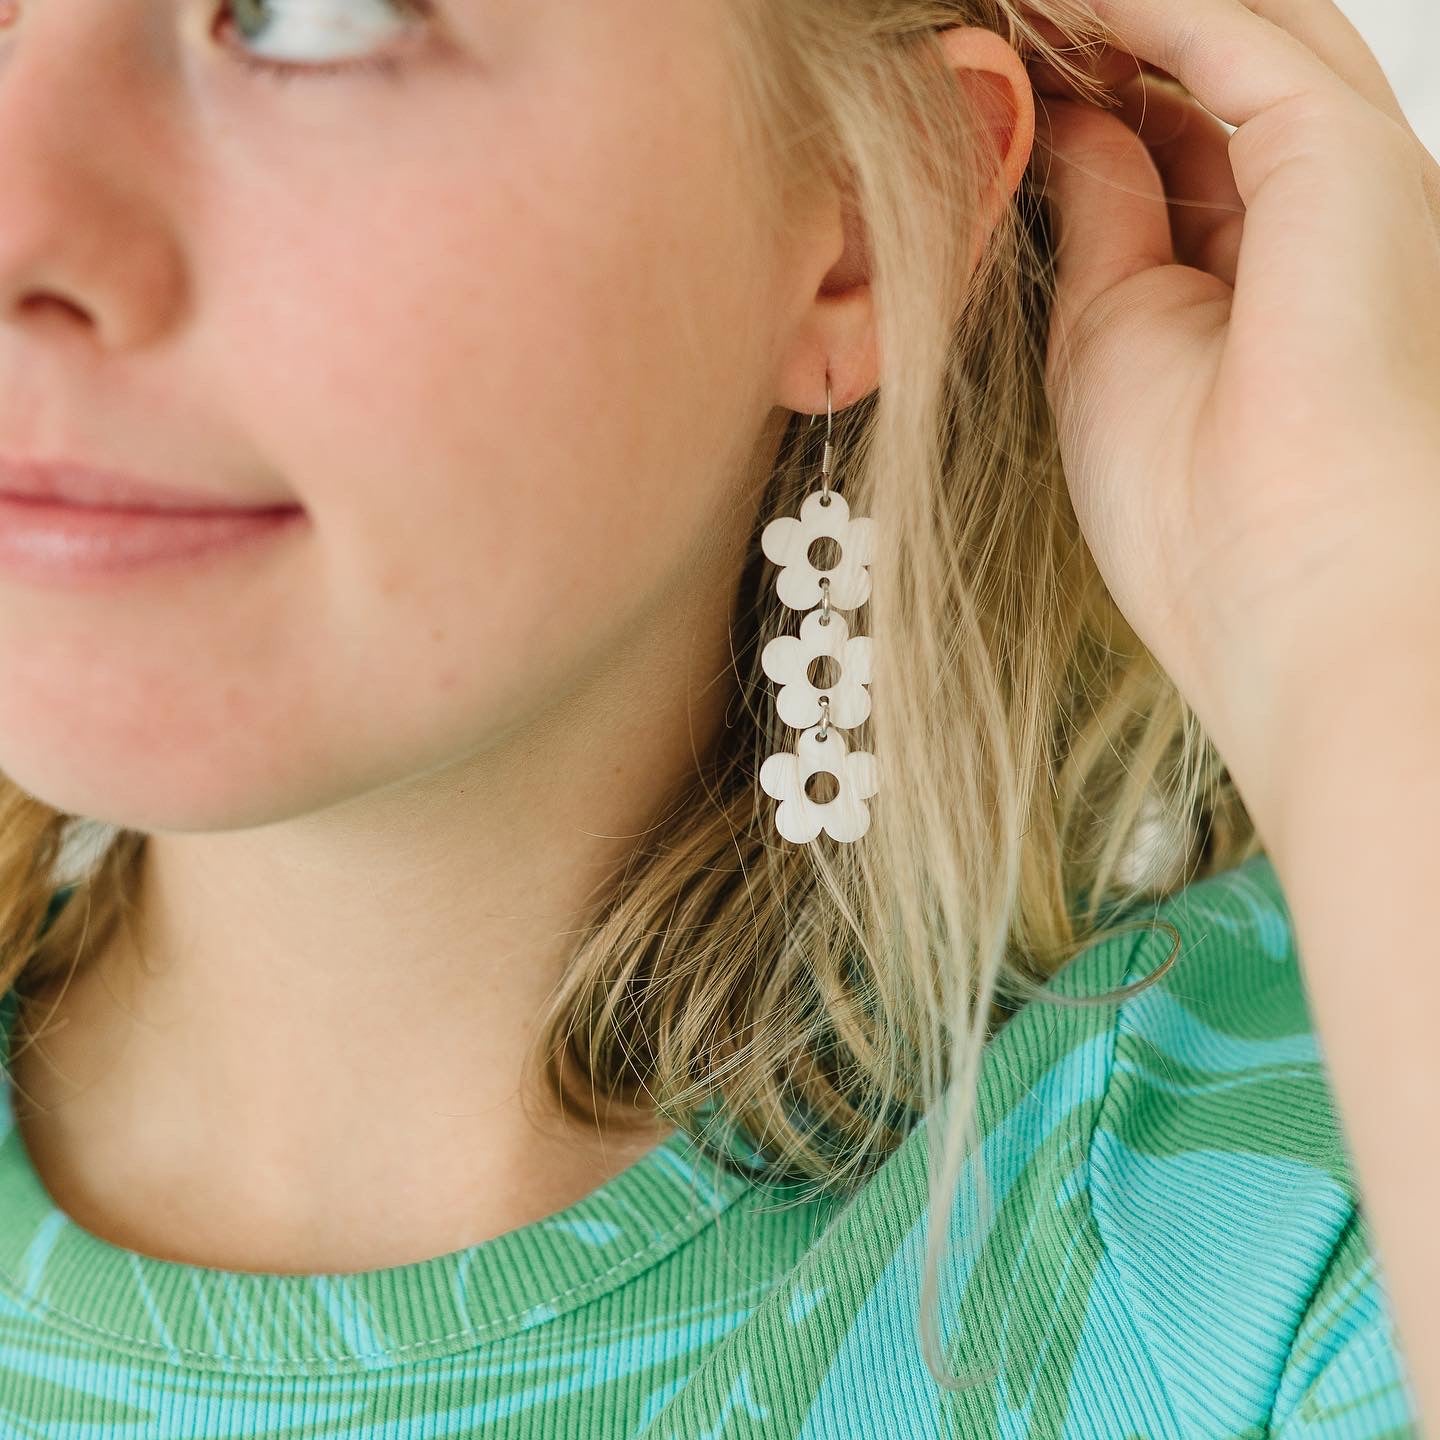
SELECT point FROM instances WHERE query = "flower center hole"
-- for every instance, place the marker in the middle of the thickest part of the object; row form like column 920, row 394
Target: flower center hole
column 822, row 787
column 824, row 552
column 823, row 672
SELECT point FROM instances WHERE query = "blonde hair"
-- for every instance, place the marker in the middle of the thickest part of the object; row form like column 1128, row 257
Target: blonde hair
column 1041, row 773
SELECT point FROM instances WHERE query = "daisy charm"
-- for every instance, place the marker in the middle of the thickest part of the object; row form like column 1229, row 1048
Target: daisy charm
column 799, row 818
column 788, row 542
column 791, row 658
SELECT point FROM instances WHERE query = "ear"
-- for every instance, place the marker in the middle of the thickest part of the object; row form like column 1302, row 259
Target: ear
column 837, row 326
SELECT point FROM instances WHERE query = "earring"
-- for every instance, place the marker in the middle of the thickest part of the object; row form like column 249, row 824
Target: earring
column 825, row 637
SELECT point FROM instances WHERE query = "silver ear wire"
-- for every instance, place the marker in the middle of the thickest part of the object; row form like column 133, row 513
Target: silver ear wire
column 827, row 464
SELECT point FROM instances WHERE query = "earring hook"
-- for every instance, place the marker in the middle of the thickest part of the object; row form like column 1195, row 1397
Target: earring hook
column 827, row 464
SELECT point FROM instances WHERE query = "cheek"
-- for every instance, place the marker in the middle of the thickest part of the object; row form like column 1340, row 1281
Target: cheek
column 515, row 407
column 568, row 344
column 542, row 336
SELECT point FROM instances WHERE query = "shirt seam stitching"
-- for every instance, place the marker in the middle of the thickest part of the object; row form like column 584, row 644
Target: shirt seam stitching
column 1144, row 1328
column 652, row 1251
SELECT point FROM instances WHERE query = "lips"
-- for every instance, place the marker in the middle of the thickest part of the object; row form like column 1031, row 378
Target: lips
column 82, row 528
column 67, row 483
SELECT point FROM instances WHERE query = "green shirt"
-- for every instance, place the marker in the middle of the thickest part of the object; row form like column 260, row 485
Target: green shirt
column 1173, row 1248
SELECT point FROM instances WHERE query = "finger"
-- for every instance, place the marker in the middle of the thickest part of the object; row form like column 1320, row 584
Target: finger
column 1319, row 24
column 1104, row 69
column 1191, row 150
column 1234, row 61
column 1313, row 40
column 1291, row 111
column 1100, row 66
column 1107, row 70
column 1327, row 31
column 1112, row 218
column 1337, row 226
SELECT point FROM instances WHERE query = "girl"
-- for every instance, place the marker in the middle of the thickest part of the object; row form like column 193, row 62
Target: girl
column 465, row 462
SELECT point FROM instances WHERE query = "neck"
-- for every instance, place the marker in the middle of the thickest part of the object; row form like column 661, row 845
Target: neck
column 297, row 1023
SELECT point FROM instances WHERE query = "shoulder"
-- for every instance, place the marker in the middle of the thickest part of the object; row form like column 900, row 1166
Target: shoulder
column 1220, row 1181
column 1156, row 1232
column 1216, row 1066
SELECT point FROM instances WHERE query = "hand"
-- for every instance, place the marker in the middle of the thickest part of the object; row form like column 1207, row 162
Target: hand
column 1245, row 357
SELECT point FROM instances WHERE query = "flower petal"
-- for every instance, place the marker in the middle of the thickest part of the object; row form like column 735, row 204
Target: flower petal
column 862, row 774
column 798, row 705
column 785, row 659
column 849, row 704
column 858, row 659
column 782, row 540
column 780, row 776
column 799, row 586
column 798, row 823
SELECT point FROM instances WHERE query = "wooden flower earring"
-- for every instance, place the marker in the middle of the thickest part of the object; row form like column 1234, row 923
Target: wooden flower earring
column 819, row 710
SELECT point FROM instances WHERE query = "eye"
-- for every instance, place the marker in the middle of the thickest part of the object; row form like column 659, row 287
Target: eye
column 296, row 37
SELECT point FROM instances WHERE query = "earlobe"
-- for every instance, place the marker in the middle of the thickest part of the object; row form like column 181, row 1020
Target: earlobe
column 838, row 333
column 840, row 339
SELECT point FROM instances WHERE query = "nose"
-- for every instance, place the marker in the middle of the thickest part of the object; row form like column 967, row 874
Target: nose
column 87, row 244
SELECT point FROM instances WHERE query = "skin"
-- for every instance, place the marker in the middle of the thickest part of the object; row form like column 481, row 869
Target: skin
column 1248, row 398
column 489, row 326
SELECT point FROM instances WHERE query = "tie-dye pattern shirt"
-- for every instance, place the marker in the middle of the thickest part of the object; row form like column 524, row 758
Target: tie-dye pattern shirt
column 1171, row 1248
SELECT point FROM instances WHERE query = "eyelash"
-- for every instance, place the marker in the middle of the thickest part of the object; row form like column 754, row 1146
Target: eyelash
column 389, row 67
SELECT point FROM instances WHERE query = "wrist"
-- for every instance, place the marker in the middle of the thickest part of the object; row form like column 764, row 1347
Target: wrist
column 1343, row 743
